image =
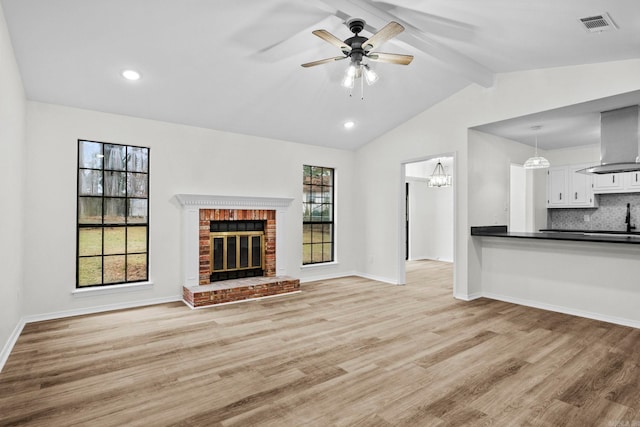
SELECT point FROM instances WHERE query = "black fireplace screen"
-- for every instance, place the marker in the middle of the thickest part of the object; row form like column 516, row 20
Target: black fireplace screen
column 237, row 249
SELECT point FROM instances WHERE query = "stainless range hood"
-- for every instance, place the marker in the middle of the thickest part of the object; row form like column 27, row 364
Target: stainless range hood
column 619, row 142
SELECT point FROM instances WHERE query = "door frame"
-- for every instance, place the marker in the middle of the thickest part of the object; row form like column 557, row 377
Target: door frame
column 402, row 232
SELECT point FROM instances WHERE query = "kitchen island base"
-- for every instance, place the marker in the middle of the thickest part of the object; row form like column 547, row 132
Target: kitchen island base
column 597, row 280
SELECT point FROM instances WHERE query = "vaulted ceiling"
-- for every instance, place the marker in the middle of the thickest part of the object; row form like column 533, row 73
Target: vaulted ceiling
column 235, row 65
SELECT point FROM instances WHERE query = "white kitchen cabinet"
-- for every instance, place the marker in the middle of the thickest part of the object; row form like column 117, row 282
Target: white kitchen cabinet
column 622, row 182
column 557, row 185
column 580, row 188
column 608, row 183
column 567, row 188
column 633, row 181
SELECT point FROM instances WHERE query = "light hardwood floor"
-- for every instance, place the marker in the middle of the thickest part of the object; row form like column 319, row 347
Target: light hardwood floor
column 347, row 352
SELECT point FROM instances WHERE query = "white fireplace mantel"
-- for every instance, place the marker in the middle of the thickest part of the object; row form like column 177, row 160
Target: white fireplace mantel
column 191, row 205
column 206, row 201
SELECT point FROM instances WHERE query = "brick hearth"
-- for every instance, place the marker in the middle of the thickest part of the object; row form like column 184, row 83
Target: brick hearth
column 236, row 290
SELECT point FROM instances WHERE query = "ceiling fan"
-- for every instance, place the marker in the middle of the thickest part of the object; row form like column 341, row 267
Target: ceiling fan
column 358, row 47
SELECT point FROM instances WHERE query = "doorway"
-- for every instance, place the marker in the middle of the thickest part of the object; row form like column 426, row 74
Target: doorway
column 427, row 213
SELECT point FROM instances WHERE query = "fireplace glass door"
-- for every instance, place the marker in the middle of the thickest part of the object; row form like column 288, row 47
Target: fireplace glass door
column 237, row 252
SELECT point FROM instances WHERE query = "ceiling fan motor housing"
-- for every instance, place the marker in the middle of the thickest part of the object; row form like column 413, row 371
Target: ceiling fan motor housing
column 356, row 53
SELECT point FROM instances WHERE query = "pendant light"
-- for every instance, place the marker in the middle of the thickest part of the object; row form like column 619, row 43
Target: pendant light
column 536, row 162
column 439, row 177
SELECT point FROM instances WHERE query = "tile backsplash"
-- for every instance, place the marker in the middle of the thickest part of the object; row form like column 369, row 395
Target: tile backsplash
column 609, row 215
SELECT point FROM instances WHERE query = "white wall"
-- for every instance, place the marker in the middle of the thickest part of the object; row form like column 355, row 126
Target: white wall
column 518, row 195
column 443, row 128
column 12, row 171
column 183, row 159
column 574, row 155
column 430, row 221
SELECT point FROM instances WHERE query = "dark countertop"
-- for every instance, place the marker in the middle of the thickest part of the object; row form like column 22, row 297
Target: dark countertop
column 564, row 230
column 566, row 235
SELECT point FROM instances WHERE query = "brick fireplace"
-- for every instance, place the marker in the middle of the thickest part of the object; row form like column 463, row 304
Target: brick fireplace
column 233, row 225
column 251, row 227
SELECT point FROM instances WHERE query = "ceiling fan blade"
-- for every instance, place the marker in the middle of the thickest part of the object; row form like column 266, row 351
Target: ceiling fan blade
column 390, row 30
column 392, row 58
column 330, row 38
column 323, row 61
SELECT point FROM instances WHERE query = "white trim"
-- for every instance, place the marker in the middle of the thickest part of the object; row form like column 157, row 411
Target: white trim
column 319, row 265
column 428, row 258
column 469, row 297
column 402, row 271
column 111, row 289
column 205, row 201
column 566, row 310
column 239, row 301
column 99, row 309
column 319, row 277
column 415, row 178
column 388, row 280
column 11, row 342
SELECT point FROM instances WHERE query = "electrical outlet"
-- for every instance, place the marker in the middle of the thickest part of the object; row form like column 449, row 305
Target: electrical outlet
column 587, row 218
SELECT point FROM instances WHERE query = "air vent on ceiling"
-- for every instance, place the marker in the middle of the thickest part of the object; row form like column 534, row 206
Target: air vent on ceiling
column 598, row 23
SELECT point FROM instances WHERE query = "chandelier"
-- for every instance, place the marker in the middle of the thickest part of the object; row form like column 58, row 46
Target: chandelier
column 439, row 177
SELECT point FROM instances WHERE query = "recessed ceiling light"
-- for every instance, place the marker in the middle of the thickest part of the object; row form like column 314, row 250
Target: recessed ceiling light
column 131, row 75
column 349, row 124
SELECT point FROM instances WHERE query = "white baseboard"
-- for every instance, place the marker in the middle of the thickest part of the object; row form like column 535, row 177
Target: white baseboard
column 11, row 342
column 428, row 258
column 566, row 310
column 468, row 297
column 378, row 278
column 347, row 274
column 317, row 277
column 99, row 309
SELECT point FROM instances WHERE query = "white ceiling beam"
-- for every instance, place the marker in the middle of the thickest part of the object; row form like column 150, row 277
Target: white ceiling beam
column 449, row 58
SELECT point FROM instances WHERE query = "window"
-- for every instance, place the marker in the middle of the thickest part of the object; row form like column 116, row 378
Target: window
column 113, row 214
column 318, row 226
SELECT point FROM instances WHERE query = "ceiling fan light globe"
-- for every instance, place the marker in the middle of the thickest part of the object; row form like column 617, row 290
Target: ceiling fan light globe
column 370, row 75
column 348, row 81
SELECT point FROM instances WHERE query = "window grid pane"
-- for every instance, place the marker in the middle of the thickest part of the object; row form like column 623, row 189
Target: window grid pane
column 318, row 207
column 89, row 271
column 112, row 214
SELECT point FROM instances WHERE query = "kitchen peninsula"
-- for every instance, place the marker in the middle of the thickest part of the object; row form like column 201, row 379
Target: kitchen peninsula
column 594, row 275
